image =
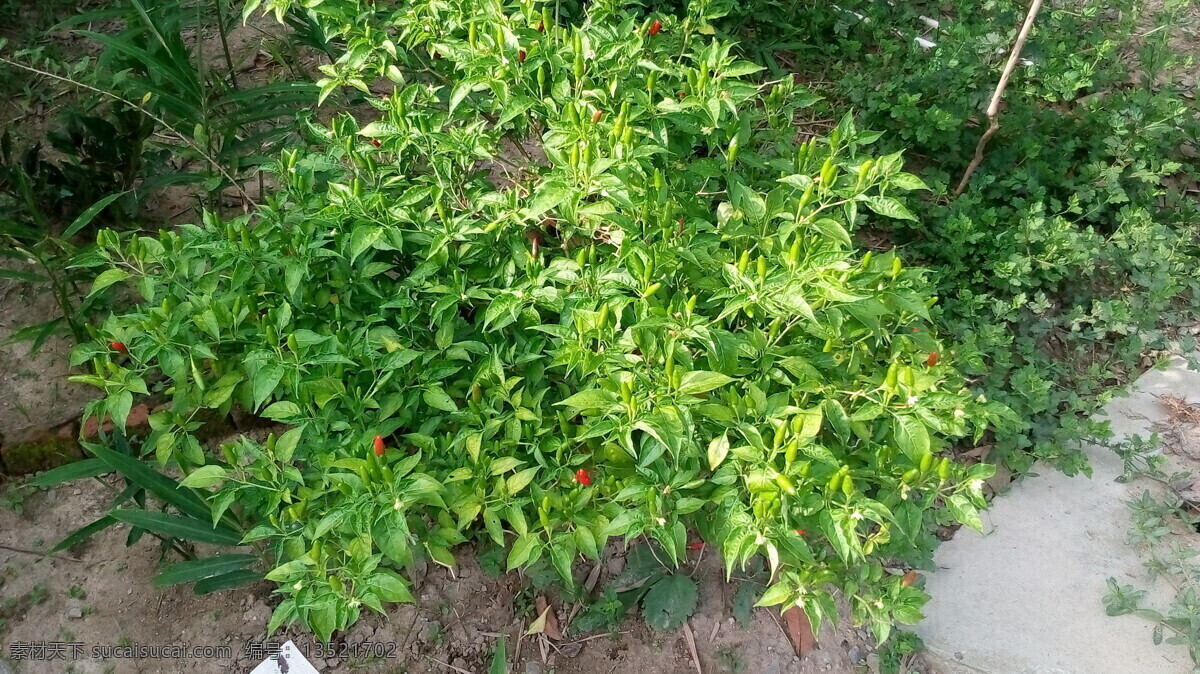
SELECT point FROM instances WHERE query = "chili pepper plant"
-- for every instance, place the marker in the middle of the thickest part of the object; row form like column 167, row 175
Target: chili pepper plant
column 574, row 283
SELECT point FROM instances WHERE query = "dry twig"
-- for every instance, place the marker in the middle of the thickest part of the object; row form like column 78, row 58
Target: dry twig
column 993, row 108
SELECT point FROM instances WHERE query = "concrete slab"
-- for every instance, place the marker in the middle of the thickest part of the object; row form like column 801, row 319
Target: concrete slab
column 1026, row 598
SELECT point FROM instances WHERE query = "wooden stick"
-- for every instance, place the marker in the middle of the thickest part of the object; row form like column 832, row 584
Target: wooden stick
column 994, row 107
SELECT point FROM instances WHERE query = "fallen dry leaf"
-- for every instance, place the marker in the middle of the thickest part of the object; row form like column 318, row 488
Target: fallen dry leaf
column 799, row 630
column 550, row 629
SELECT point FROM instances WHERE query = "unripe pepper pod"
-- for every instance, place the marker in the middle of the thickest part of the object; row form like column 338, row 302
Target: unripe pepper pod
column 794, row 251
column 743, row 262
column 691, row 304
column 807, row 197
column 654, row 287
column 762, row 268
column 943, row 470
column 926, row 462
column 582, row 477
column 834, row 483
column 380, row 447
column 828, row 172
column 866, row 259
column 848, row 485
column 896, row 266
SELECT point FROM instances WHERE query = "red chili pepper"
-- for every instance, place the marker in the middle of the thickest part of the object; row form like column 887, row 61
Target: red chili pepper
column 682, row 95
column 119, row 347
column 915, row 330
column 582, row 477
column 437, row 55
column 521, row 56
column 932, row 359
column 597, row 115
column 541, row 26
column 375, row 142
column 655, row 27
column 380, row 448
column 698, row 545
column 800, row 532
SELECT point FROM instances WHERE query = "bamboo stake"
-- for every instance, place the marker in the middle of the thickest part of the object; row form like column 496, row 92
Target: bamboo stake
column 993, row 108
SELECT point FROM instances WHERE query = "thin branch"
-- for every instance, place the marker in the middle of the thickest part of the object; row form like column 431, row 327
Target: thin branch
column 117, row 97
column 26, row 551
column 994, row 107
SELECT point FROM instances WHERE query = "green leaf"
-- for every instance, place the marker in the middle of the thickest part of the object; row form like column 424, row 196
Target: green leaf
column 911, row 436
column 522, row 550
column 718, row 449
column 92, row 211
column 437, row 398
column 548, row 197
column 389, row 586
column 178, row 526
column 747, row 596
column 204, row 476
column 965, row 512
column 283, row 410
column 907, row 181
column 592, row 399
column 363, row 238
column 83, row 533
column 156, row 483
column 72, row 471
column 500, row 657
column 286, row 445
column 227, row 581
column 888, row 207
column 775, row 595
column 107, row 278
column 700, row 381
column 670, row 602
column 519, row 481
column 199, row 569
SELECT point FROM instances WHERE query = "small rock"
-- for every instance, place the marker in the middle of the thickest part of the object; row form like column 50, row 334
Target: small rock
column 77, row 492
column 460, row 663
column 75, row 613
column 532, row 667
column 855, row 654
column 873, row 662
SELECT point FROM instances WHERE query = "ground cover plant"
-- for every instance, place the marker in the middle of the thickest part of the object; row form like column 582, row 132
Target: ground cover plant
column 661, row 326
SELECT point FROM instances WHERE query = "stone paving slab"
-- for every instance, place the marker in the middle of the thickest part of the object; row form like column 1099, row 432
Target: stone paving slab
column 1026, row 598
